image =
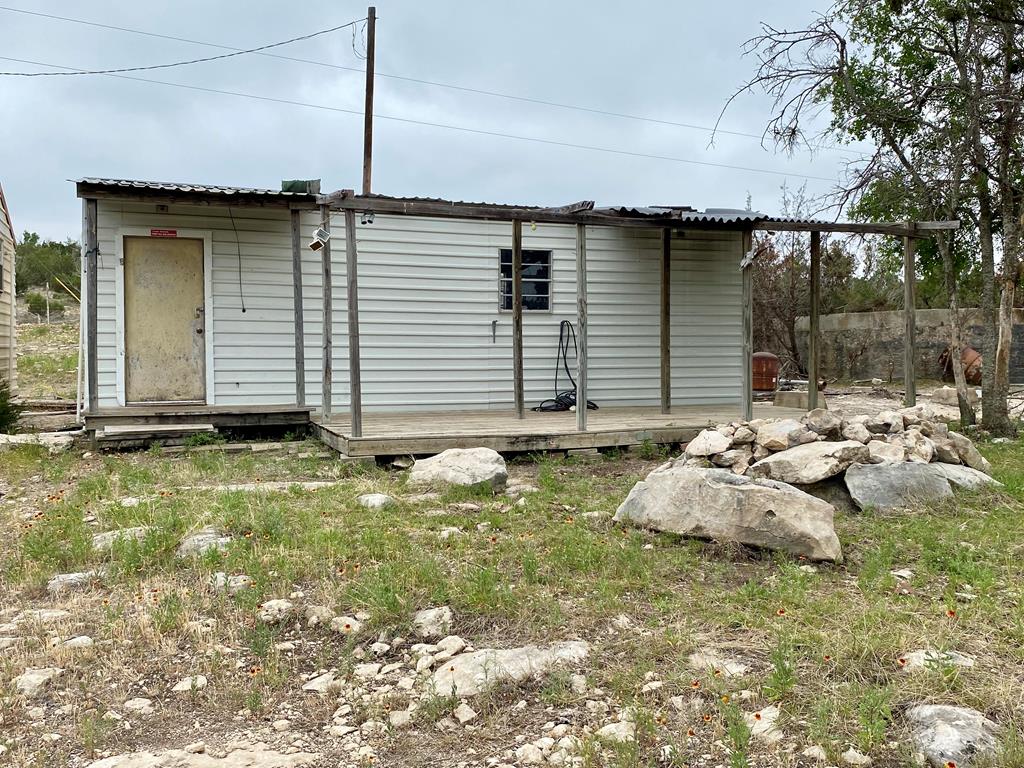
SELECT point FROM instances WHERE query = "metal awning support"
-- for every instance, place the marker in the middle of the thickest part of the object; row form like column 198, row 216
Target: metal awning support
column 814, row 337
column 581, row 327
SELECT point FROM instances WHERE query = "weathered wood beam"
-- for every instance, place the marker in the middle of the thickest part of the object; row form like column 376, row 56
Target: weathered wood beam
column 90, row 228
column 814, row 336
column 900, row 229
column 327, row 360
column 581, row 327
column 355, row 386
column 517, row 319
column 747, row 345
column 666, row 321
column 300, row 333
column 910, row 321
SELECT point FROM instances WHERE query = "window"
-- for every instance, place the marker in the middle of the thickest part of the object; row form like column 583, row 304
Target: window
column 536, row 280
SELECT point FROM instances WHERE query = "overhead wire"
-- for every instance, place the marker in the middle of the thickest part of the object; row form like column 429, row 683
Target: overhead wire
column 188, row 62
column 447, row 126
column 419, row 81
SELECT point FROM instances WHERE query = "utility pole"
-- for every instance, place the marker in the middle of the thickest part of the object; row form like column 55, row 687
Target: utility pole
column 371, row 34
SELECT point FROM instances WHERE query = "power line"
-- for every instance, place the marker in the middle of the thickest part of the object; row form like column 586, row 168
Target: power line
column 420, row 81
column 237, row 52
column 446, row 126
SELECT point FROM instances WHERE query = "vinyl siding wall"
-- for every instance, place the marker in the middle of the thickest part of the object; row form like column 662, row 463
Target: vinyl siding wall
column 428, row 301
column 7, row 303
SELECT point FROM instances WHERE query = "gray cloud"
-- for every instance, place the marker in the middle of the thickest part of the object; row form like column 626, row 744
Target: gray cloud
column 673, row 61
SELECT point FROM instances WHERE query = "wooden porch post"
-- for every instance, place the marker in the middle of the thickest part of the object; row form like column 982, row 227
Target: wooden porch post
column 581, row 327
column 517, row 318
column 666, row 321
column 300, row 333
column 814, row 335
column 327, row 363
column 910, row 320
column 92, row 252
column 355, row 386
column 747, row 346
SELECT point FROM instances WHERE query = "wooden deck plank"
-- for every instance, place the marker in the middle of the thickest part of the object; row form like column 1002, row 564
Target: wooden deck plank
column 431, row 432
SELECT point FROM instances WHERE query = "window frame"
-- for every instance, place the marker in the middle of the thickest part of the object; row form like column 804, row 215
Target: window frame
column 550, row 280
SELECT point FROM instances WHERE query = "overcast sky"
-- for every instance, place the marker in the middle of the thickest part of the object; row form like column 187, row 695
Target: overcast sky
column 674, row 61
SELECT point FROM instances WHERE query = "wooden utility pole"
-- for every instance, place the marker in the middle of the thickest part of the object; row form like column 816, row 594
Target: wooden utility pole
column 814, row 337
column 519, row 389
column 910, row 321
column 371, row 34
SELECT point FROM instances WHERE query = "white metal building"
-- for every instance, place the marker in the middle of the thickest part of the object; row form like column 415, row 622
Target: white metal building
column 8, row 307
column 197, row 308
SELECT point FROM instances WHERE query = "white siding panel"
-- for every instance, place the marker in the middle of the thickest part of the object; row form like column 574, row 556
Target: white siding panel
column 428, row 292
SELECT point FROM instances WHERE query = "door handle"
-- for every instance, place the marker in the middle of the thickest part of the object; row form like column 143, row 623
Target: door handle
column 494, row 331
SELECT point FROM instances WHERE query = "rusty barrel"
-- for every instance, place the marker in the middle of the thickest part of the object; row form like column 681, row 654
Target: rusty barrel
column 766, row 372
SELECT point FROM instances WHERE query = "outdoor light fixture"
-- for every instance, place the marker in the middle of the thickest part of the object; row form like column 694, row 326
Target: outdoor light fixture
column 367, row 217
column 320, row 238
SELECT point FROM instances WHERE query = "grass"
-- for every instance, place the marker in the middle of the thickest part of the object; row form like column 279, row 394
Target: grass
column 822, row 641
column 47, row 360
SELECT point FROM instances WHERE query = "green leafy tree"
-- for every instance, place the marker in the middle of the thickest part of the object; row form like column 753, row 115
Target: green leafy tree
column 10, row 411
column 40, row 262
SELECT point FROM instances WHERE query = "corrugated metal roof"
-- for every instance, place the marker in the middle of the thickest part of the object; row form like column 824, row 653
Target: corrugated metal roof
column 202, row 189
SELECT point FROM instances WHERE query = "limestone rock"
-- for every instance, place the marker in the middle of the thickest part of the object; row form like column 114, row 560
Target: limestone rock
column 919, row 448
column 967, row 478
column 375, row 501
column 811, row 463
column 433, row 622
column 464, row 713
column 947, row 396
column 621, row 732
column 102, row 542
column 780, row 435
column 743, row 436
column 221, row 582
column 54, row 442
column 471, row 673
column 856, row 431
column 34, row 680
column 191, row 683
column 242, row 756
column 885, row 423
column 276, row 611
column 199, row 543
column 708, row 442
column 832, row 491
column 529, row 754
column 716, row 504
column 945, row 450
column 70, row 582
column 969, row 455
column 886, row 487
column 884, row 452
column 823, row 422
column 762, row 724
column 951, row 734
column 916, row 661
column 461, row 466
column 139, row 706
column 855, row 758
column 707, row 660
column 320, row 684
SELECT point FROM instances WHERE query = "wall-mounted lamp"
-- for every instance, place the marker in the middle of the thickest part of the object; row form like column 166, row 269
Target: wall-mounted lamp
column 367, row 217
column 320, row 238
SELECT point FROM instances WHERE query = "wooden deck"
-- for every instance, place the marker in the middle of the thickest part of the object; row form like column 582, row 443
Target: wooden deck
column 217, row 415
column 431, row 432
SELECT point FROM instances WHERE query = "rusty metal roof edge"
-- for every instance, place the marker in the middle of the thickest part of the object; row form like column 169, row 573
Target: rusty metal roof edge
column 168, row 186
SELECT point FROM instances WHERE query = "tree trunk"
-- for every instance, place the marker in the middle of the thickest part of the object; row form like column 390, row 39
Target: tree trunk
column 955, row 330
column 994, row 415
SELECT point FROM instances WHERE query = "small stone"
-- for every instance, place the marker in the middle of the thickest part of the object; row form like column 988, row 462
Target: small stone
column 621, row 732
column 400, row 718
column 196, row 748
column 708, row 442
column 366, row 671
column 762, row 725
column 816, row 753
column 452, row 644
column 578, row 683
column 140, row 706
column 916, row 661
column 82, row 641
column 380, row 649
column 346, row 625
column 203, row 541
column 853, row 757
column 70, row 582
column 34, row 680
column 276, row 611
column 103, row 542
column 375, row 501
column 464, row 713
column 529, row 754
column 282, row 725
column 232, row 585
column 433, row 622
column 320, row 683
column 191, row 683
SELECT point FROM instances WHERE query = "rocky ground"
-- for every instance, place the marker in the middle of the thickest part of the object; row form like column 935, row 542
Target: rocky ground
column 47, row 360
column 274, row 609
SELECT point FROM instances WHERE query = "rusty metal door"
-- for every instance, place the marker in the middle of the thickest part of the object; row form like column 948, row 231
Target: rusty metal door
column 164, row 320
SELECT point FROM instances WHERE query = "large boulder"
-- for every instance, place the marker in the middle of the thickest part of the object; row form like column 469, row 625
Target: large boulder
column 708, row 442
column 461, row 466
column 824, row 422
column 811, row 463
column 969, row 455
column 855, row 430
column 471, row 673
column 947, row 396
column 884, row 452
column 886, row 487
column 780, row 435
column 885, row 423
column 717, row 504
column 967, row 478
column 950, row 735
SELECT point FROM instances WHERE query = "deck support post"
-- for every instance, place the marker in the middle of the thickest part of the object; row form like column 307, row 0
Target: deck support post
column 517, row 319
column 300, row 333
column 355, row 386
column 581, row 327
column 92, row 253
column 814, row 335
column 327, row 374
column 666, row 321
column 747, row 324
column 910, row 320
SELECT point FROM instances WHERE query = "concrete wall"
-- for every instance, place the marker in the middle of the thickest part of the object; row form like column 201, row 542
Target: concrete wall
column 863, row 345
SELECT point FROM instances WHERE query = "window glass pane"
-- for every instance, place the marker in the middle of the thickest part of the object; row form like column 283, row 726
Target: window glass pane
column 535, row 302
column 541, row 271
column 536, row 276
column 506, row 270
column 534, row 288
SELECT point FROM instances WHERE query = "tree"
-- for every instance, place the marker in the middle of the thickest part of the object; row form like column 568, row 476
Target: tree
column 41, row 262
column 938, row 87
